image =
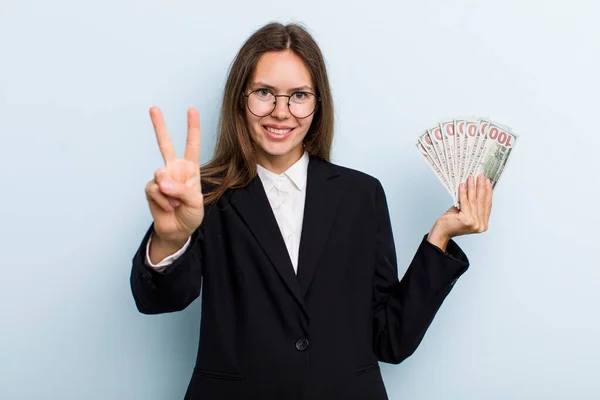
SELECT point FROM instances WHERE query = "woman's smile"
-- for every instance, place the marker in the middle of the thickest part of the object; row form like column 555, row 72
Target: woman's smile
column 278, row 132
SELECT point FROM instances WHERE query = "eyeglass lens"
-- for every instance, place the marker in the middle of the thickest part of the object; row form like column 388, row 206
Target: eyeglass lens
column 262, row 102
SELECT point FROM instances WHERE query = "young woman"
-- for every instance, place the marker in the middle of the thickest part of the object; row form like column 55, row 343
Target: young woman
column 294, row 255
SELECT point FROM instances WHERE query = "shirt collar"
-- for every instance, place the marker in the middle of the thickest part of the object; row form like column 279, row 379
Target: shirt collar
column 297, row 173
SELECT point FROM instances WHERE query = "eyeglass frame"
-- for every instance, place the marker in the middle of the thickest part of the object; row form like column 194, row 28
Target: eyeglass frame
column 247, row 96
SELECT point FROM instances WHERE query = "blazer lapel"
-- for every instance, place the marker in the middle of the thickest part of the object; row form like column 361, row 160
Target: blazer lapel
column 320, row 208
column 252, row 204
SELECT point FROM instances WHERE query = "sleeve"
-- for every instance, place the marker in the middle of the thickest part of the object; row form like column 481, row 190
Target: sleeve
column 403, row 310
column 164, row 263
column 173, row 289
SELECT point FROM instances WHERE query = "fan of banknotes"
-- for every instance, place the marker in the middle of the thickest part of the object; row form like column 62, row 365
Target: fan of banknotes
column 457, row 148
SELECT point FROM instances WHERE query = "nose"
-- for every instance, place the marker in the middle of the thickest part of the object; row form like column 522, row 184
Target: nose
column 281, row 110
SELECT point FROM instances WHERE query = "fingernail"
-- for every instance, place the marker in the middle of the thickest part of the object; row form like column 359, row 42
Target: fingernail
column 480, row 178
column 176, row 202
column 165, row 185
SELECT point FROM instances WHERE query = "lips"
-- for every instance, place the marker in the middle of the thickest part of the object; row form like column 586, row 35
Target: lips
column 277, row 132
column 280, row 131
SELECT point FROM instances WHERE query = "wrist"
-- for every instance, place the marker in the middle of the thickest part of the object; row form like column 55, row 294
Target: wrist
column 161, row 248
column 171, row 243
column 438, row 238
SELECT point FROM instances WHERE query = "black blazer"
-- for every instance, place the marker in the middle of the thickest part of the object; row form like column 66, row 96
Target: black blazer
column 269, row 334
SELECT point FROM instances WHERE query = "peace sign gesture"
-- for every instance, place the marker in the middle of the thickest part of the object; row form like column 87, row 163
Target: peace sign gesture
column 175, row 194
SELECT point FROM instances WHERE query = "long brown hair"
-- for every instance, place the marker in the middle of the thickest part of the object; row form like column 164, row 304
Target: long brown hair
column 234, row 161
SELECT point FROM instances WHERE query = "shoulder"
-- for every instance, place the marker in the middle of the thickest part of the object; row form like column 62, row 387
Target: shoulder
column 350, row 177
column 358, row 189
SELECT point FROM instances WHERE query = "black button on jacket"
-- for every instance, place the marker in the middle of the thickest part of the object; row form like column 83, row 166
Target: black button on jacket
column 269, row 334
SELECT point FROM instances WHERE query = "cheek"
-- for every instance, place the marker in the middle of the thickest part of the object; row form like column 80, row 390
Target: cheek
column 253, row 122
column 305, row 124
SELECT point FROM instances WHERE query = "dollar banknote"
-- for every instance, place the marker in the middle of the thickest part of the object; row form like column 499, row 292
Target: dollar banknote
column 433, row 165
column 437, row 139
column 447, row 128
column 428, row 145
column 466, row 146
column 497, row 147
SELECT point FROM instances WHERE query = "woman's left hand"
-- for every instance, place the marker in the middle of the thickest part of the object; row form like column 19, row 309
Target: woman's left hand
column 473, row 216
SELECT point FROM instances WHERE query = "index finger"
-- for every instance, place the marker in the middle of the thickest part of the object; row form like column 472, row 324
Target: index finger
column 192, row 147
column 162, row 135
column 465, row 207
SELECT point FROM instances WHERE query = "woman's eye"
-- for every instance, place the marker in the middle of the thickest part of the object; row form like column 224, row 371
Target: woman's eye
column 300, row 96
column 263, row 92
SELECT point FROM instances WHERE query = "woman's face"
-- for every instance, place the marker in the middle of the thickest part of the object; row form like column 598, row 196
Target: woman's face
column 279, row 136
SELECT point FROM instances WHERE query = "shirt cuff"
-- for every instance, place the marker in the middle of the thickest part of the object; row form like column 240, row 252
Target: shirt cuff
column 452, row 250
column 165, row 262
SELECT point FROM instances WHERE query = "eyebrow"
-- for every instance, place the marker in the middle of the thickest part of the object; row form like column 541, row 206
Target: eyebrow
column 266, row 86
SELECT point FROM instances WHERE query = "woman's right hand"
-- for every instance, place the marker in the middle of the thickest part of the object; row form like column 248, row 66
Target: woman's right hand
column 175, row 194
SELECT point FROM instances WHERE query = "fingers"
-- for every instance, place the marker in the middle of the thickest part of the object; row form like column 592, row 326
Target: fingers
column 481, row 189
column 488, row 202
column 194, row 181
column 469, row 210
column 465, row 207
column 475, row 203
column 188, row 193
column 471, row 192
column 154, row 194
column 162, row 135
column 192, row 147
column 162, row 176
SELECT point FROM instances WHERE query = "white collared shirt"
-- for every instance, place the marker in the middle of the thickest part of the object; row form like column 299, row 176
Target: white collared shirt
column 286, row 193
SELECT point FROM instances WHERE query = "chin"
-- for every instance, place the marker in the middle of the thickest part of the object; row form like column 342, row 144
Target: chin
column 278, row 150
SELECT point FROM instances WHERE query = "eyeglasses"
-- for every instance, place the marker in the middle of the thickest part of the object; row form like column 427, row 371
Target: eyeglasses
column 262, row 102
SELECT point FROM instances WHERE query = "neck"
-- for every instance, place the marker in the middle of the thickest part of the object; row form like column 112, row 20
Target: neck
column 278, row 164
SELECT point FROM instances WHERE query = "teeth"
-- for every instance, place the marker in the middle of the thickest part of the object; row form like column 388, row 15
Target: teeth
column 278, row 131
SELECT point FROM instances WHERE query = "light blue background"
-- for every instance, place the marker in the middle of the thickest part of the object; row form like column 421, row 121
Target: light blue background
column 77, row 79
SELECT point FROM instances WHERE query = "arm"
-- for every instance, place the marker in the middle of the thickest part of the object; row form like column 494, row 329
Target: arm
column 403, row 310
column 165, row 254
column 172, row 289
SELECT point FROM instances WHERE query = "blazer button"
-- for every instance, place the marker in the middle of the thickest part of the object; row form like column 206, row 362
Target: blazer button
column 302, row 344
